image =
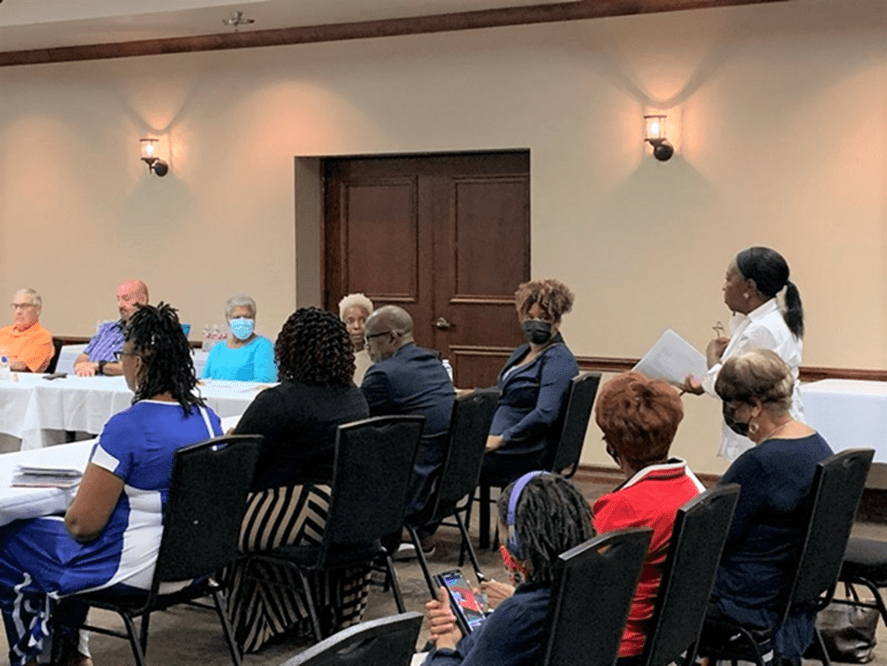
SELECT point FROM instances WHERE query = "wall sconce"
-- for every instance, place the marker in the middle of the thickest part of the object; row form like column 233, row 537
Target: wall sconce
column 149, row 157
column 655, row 135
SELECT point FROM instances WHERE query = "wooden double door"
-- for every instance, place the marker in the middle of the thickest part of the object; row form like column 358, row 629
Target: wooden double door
column 446, row 237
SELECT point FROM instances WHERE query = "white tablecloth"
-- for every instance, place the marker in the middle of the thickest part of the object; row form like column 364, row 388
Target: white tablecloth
column 16, row 503
column 848, row 413
column 70, row 353
column 33, row 406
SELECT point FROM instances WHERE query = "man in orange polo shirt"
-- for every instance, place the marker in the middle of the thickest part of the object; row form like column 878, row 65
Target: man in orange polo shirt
column 27, row 344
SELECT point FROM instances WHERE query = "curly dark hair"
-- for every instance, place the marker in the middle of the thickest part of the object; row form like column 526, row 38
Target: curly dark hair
column 552, row 516
column 313, row 347
column 554, row 298
column 157, row 337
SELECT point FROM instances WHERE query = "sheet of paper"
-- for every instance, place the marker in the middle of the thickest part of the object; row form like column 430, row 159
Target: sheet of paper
column 672, row 358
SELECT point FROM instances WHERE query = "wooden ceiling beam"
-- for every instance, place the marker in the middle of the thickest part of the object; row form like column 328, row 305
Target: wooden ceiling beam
column 471, row 20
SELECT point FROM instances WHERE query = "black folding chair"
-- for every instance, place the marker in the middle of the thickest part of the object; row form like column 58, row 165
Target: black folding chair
column 57, row 344
column 594, row 586
column 564, row 451
column 834, row 496
column 388, row 641
column 469, row 426
column 697, row 539
column 371, row 473
column 207, row 501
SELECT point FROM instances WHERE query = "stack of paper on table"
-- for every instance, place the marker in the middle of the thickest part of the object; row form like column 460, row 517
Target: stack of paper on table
column 38, row 476
column 672, row 358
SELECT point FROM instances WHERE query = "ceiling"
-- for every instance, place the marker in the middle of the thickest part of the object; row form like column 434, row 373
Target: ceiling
column 39, row 24
column 76, row 30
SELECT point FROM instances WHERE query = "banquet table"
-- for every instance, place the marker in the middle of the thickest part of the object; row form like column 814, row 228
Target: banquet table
column 70, row 353
column 848, row 413
column 33, row 409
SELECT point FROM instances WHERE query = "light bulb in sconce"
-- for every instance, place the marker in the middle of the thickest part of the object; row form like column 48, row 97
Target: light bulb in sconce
column 655, row 136
column 149, row 157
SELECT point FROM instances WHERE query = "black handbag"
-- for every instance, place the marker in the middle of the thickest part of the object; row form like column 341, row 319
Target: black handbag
column 848, row 631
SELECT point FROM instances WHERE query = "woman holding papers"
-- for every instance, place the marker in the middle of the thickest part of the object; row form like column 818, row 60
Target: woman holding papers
column 110, row 536
column 755, row 280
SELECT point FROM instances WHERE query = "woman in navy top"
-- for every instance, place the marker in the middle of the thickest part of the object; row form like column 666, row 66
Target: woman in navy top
column 533, row 384
column 765, row 538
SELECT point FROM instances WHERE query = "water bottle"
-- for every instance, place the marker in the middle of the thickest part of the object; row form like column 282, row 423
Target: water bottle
column 5, row 372
column 206, row 343
column 448, row 367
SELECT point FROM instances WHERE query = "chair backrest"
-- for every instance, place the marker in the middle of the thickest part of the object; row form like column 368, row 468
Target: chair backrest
column 580, row 398
column 207, row 500
column 371, row 473
column 469, row 427
column 388, row 641
column 592, row 593
column 697, row 539
column 57, row 345
column 837, row 489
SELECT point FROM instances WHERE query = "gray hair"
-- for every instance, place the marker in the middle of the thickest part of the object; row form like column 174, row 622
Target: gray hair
column 240, row 300
column 355, row 299
column 33, row 295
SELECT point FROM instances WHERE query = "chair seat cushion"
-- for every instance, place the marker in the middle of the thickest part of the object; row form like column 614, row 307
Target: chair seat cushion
column 865, row 558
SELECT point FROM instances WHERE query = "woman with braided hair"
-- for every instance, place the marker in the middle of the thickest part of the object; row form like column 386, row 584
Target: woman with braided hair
column 544, row 515
column 110, row 536
column 298, row 419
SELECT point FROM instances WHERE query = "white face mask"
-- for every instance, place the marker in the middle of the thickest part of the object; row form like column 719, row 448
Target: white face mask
column 242, row 328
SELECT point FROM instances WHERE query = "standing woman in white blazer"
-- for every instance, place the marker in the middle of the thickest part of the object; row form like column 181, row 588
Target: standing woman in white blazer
column 755, row 280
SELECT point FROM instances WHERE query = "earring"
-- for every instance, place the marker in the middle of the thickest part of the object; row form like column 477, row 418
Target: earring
column 753, row 428
column 745, row 295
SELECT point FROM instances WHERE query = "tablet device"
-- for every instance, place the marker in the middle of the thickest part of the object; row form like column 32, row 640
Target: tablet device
column 467, row 609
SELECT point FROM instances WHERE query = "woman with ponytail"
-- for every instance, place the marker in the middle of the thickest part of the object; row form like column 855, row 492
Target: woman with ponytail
column 755, row 280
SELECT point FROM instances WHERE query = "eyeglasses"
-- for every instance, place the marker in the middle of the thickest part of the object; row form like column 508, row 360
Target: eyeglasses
column 21, row 306
column 370, row 336
column 118, row 355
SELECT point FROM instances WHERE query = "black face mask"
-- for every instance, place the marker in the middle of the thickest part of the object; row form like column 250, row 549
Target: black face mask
column 730, row 419
column 536, row 331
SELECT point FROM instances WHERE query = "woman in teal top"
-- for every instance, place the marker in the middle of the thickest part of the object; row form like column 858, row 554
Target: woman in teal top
column 244, row 356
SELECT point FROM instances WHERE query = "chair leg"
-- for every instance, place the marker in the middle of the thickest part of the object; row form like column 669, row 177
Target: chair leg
column 483, row 513
column 466, row 545
column 222, row 609
column 395, row 583
column 137, row 652
column 824, row 658
column 309, row 601
column 143, row 632
column 423, row 563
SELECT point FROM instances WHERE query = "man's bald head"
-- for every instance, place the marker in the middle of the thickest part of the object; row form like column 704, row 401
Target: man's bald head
column 388, row 329
column 130, row 295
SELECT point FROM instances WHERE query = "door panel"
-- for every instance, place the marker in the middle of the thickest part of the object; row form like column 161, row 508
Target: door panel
column 446, row 237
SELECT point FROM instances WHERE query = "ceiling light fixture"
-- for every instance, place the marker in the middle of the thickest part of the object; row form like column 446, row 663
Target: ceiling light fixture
column 237, row 19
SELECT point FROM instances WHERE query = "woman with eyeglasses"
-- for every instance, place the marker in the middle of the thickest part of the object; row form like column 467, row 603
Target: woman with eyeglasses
column 639, row 418
column 110, row 535
column 533, row 384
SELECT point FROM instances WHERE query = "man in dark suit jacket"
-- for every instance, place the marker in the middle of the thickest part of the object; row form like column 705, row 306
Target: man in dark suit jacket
column 407, row 379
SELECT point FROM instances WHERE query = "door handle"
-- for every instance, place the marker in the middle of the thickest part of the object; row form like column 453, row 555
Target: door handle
column 442, row 324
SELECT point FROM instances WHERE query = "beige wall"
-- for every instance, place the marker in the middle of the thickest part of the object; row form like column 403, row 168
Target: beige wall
column 777, row 111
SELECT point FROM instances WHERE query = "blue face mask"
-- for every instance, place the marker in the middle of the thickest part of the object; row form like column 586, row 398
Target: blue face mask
column 242, row 328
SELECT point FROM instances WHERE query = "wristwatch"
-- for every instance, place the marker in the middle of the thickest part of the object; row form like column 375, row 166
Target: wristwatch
column 101, row 369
